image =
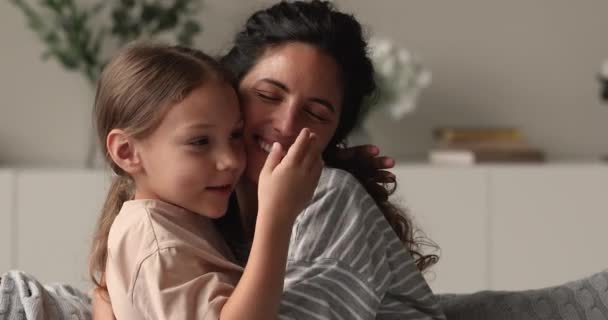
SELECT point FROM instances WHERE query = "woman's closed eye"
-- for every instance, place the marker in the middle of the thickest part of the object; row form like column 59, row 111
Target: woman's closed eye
column 200, row 141
column 267, row 96
column 316, row 116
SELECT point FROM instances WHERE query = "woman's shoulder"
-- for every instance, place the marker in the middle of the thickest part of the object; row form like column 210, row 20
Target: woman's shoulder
column 336, row 179
column 338, row 195
column 341, row 213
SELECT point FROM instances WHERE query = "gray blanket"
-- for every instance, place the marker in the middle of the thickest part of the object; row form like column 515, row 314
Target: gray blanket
column 23, row 297
column 584, row 299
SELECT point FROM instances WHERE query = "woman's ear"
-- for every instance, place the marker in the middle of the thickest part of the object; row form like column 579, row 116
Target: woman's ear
column 121, row 148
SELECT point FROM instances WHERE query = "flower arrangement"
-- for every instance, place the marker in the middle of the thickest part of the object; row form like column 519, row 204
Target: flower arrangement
column 400, row 77
column 603, row 79
column 82, row 37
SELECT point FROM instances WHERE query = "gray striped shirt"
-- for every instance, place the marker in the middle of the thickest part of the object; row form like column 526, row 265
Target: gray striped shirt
column 346, row 262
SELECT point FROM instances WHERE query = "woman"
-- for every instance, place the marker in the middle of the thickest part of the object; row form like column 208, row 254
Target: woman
column 304, row 64
column 352, row 254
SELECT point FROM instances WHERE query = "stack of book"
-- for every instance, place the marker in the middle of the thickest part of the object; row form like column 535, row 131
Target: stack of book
column 482, row 145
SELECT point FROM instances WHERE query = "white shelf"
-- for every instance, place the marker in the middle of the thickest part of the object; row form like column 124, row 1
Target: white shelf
column 510, row 227
column 499, row 226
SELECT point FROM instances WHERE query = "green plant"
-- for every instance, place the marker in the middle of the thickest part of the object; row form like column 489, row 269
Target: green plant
column 81, row 38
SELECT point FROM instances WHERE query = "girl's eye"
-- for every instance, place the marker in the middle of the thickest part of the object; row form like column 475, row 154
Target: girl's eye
column 237, row 134
column 200, row 141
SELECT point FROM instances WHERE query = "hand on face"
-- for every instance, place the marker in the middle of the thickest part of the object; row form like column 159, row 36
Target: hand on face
column 291, row 87
column 288, row 181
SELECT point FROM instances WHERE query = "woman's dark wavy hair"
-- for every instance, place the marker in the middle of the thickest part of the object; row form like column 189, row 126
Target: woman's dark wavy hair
column 340, row 36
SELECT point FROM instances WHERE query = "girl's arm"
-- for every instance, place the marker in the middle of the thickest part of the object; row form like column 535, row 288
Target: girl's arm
column 285, row 187
column 102, row 308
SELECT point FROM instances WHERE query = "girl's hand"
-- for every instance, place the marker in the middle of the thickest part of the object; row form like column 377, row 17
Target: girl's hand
column 288, row 181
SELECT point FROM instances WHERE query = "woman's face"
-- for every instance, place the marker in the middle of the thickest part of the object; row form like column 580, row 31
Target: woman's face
column 291, row 87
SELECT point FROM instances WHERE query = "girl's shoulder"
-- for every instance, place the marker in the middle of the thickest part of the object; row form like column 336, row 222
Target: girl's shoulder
column 148, row 226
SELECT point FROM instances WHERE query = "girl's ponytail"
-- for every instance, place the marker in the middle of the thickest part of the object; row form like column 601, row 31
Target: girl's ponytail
column 121, row 190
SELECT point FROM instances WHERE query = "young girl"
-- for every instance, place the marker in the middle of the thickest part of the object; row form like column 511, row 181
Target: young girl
column 169, row 122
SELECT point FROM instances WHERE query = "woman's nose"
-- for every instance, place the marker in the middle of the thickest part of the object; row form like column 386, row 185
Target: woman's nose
column 286, row 120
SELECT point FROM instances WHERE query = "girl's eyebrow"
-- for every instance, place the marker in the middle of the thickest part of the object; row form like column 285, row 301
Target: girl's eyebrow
column 284, row 87
column 203, row 125
column 198, row 125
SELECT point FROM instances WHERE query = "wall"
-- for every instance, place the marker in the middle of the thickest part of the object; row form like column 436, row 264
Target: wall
column 521, row 63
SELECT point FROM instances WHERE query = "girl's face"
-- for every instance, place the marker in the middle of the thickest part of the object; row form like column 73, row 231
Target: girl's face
column 291, row 87
column 196, row 155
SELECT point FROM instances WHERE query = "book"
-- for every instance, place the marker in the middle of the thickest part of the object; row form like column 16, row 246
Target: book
column 470, row 145
column 487, row 155
column 451, row 157
column 464, row 134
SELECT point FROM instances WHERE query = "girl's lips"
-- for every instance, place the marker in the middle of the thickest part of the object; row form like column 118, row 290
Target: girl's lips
column 221, row 190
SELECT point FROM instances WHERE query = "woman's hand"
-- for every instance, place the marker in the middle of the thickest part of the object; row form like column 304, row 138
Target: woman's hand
column 288, row 181
column 366, row 158
column 102, row 308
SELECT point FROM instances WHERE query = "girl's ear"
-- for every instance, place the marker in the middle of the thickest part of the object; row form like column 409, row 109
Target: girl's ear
column 121, row 149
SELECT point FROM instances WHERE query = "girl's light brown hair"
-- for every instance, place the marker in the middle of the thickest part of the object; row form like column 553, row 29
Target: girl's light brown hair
column 134, row 92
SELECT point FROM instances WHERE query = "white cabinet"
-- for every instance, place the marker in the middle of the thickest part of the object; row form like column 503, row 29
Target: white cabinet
column 510, row 227
column 56, row 216
column 548, row 224
column 449, row 206
column 499, row 227
column 6, row 218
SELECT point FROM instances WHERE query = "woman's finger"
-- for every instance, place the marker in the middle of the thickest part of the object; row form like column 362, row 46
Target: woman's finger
column 381, row 163
column 363, row 151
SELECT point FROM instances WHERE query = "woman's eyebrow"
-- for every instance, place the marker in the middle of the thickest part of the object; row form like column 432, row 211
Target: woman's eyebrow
column 275, row 83
column 284, row 87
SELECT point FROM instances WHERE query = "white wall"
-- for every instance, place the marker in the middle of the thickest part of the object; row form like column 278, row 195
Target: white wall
column 522, row 63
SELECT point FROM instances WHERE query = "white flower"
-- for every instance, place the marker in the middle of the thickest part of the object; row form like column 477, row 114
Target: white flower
column 400, row 77
column 604, row 70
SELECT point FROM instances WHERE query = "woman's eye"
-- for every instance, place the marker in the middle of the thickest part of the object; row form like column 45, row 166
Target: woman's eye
column 200, row 142
column 316, row 116
column 267, row 96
